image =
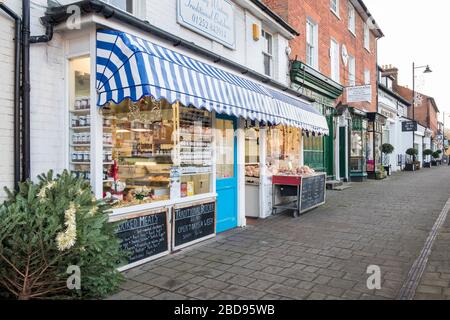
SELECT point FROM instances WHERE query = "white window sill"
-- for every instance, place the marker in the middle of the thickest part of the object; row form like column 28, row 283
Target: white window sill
column 335, row 13
column 367, row 49
column 352, row 32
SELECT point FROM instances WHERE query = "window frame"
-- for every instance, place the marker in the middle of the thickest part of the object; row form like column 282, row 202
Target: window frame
column 351, row 18
column 335, row 10
column 129, row 3
column 366, row 36
column 314, row 32
column 367, row 76
column 335, row 63
column 351, row 67
column 267, row 51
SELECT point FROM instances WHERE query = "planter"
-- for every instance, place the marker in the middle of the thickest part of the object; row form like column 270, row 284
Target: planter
column 412, row 166
column 434, row 163
column 427, row 164
column 381, row 175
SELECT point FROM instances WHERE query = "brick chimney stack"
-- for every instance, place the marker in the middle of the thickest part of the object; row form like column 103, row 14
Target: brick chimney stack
column 390, row 70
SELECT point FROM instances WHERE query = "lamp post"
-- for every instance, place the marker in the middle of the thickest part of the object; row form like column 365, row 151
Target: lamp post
column 427, row 70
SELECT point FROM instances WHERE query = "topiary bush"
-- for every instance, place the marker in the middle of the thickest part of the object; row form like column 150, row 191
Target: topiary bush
column 387, row 148
column 412, row 152
column 427, row 152
column 436, row 155
column 48, row 226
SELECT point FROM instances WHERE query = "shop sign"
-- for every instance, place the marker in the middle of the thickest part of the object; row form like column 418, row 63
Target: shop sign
column 213, row 19
column 409, row 126
column 359, row 94
column 193, row 223
column 143, row 236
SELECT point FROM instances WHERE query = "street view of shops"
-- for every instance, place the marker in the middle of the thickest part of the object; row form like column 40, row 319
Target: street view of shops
column 223, row 150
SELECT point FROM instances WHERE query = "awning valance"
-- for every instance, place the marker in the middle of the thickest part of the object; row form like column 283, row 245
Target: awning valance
column 131, row 67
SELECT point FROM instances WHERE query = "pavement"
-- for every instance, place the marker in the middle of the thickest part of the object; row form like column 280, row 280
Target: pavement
column 323, row 255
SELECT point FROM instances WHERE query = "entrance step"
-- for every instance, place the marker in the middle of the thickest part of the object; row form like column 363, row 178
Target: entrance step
column 343, row 187
column 333, row 184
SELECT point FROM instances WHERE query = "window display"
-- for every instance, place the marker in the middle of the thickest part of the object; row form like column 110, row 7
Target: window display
column 80, row 119
column 159, row 152
column 283, row 149
column 358, row 146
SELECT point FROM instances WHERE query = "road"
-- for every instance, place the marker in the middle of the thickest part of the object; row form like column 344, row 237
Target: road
column 323, row 254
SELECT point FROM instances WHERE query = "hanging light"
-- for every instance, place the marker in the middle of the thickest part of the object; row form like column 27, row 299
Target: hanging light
column 428, row 70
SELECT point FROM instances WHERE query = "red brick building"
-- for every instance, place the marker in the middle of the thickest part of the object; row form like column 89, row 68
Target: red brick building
column 335, row 25
column 337, row 48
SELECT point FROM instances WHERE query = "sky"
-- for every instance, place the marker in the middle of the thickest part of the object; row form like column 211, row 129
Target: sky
column 416, row 31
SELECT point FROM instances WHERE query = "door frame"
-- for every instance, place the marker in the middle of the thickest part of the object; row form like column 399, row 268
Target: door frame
column 236, row 167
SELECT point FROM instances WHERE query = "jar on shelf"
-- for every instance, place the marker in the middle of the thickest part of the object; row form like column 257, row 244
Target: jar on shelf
column 75, row 121
column 77, row 104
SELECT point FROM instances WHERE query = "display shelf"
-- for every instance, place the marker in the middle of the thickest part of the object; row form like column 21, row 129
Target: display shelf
column 81, row 145
column 80, row 111
column 81, row 128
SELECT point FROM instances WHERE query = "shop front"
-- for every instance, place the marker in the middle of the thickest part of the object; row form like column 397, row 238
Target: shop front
column 358, row 145
column 375, row 128
column 174, row 144
column 320, row 152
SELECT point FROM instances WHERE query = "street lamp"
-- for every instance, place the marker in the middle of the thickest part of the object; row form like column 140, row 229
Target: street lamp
column 427, row 70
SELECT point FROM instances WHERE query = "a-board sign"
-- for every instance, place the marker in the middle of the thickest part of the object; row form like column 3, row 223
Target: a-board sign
column 313, row 192
column 193, row 222
column 409, row 126
column 144, row 236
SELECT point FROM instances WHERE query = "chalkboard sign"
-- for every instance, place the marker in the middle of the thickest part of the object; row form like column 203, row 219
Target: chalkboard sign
column 409, row 126
column 313, row 192
column 193, row 222
column 144, row 236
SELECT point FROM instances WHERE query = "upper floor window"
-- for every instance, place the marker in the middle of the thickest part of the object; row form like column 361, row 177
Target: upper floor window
column 334, row 6
column 312, row 52
column 267, row 52
column 125, row 5
column 366, row 36
column 334, row 60
column 351, row 71
column 351, row 18
column 367, row 76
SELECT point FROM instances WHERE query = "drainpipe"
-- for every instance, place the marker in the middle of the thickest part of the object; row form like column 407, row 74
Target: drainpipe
column 26, row 87
column 17, row 93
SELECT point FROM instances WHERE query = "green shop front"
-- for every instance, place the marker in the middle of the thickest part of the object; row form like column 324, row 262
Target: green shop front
column 358, row 145
column 319, row 151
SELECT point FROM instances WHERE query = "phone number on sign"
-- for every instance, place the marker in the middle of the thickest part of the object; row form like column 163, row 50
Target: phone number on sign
column 205, row 25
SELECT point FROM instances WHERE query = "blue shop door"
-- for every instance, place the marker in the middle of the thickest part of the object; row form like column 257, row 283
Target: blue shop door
column 226, row 175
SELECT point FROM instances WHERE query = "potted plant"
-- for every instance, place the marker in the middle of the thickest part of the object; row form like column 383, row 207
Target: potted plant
column 411, row 164
column 381, row 174
column 427, row 153
column 387, row 149
column 435, row 156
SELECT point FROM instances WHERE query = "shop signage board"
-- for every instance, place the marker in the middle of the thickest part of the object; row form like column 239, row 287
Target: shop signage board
column 145, row 236
column 213, row 19
column 313, row 192
column 359, row 93
column 409, row 126
column 193, row 223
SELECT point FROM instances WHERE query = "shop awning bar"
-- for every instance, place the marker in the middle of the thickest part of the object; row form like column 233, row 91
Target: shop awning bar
column 131, row 67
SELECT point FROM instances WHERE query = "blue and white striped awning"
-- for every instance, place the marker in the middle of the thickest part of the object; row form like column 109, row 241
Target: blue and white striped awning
column 131, row 67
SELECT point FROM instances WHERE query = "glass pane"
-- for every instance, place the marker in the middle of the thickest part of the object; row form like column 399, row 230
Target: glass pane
column 225, row 148
column 80, row 119
column 138, row 145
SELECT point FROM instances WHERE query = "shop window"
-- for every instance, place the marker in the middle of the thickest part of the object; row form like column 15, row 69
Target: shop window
column 159, row 151
column 80, row 118
column 283, row 149
column 358, row 146
column 267, row 52
column 224, row 148
column 313, row 151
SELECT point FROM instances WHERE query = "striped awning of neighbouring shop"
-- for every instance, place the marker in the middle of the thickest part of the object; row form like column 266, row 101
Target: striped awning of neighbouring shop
column 131, row 67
